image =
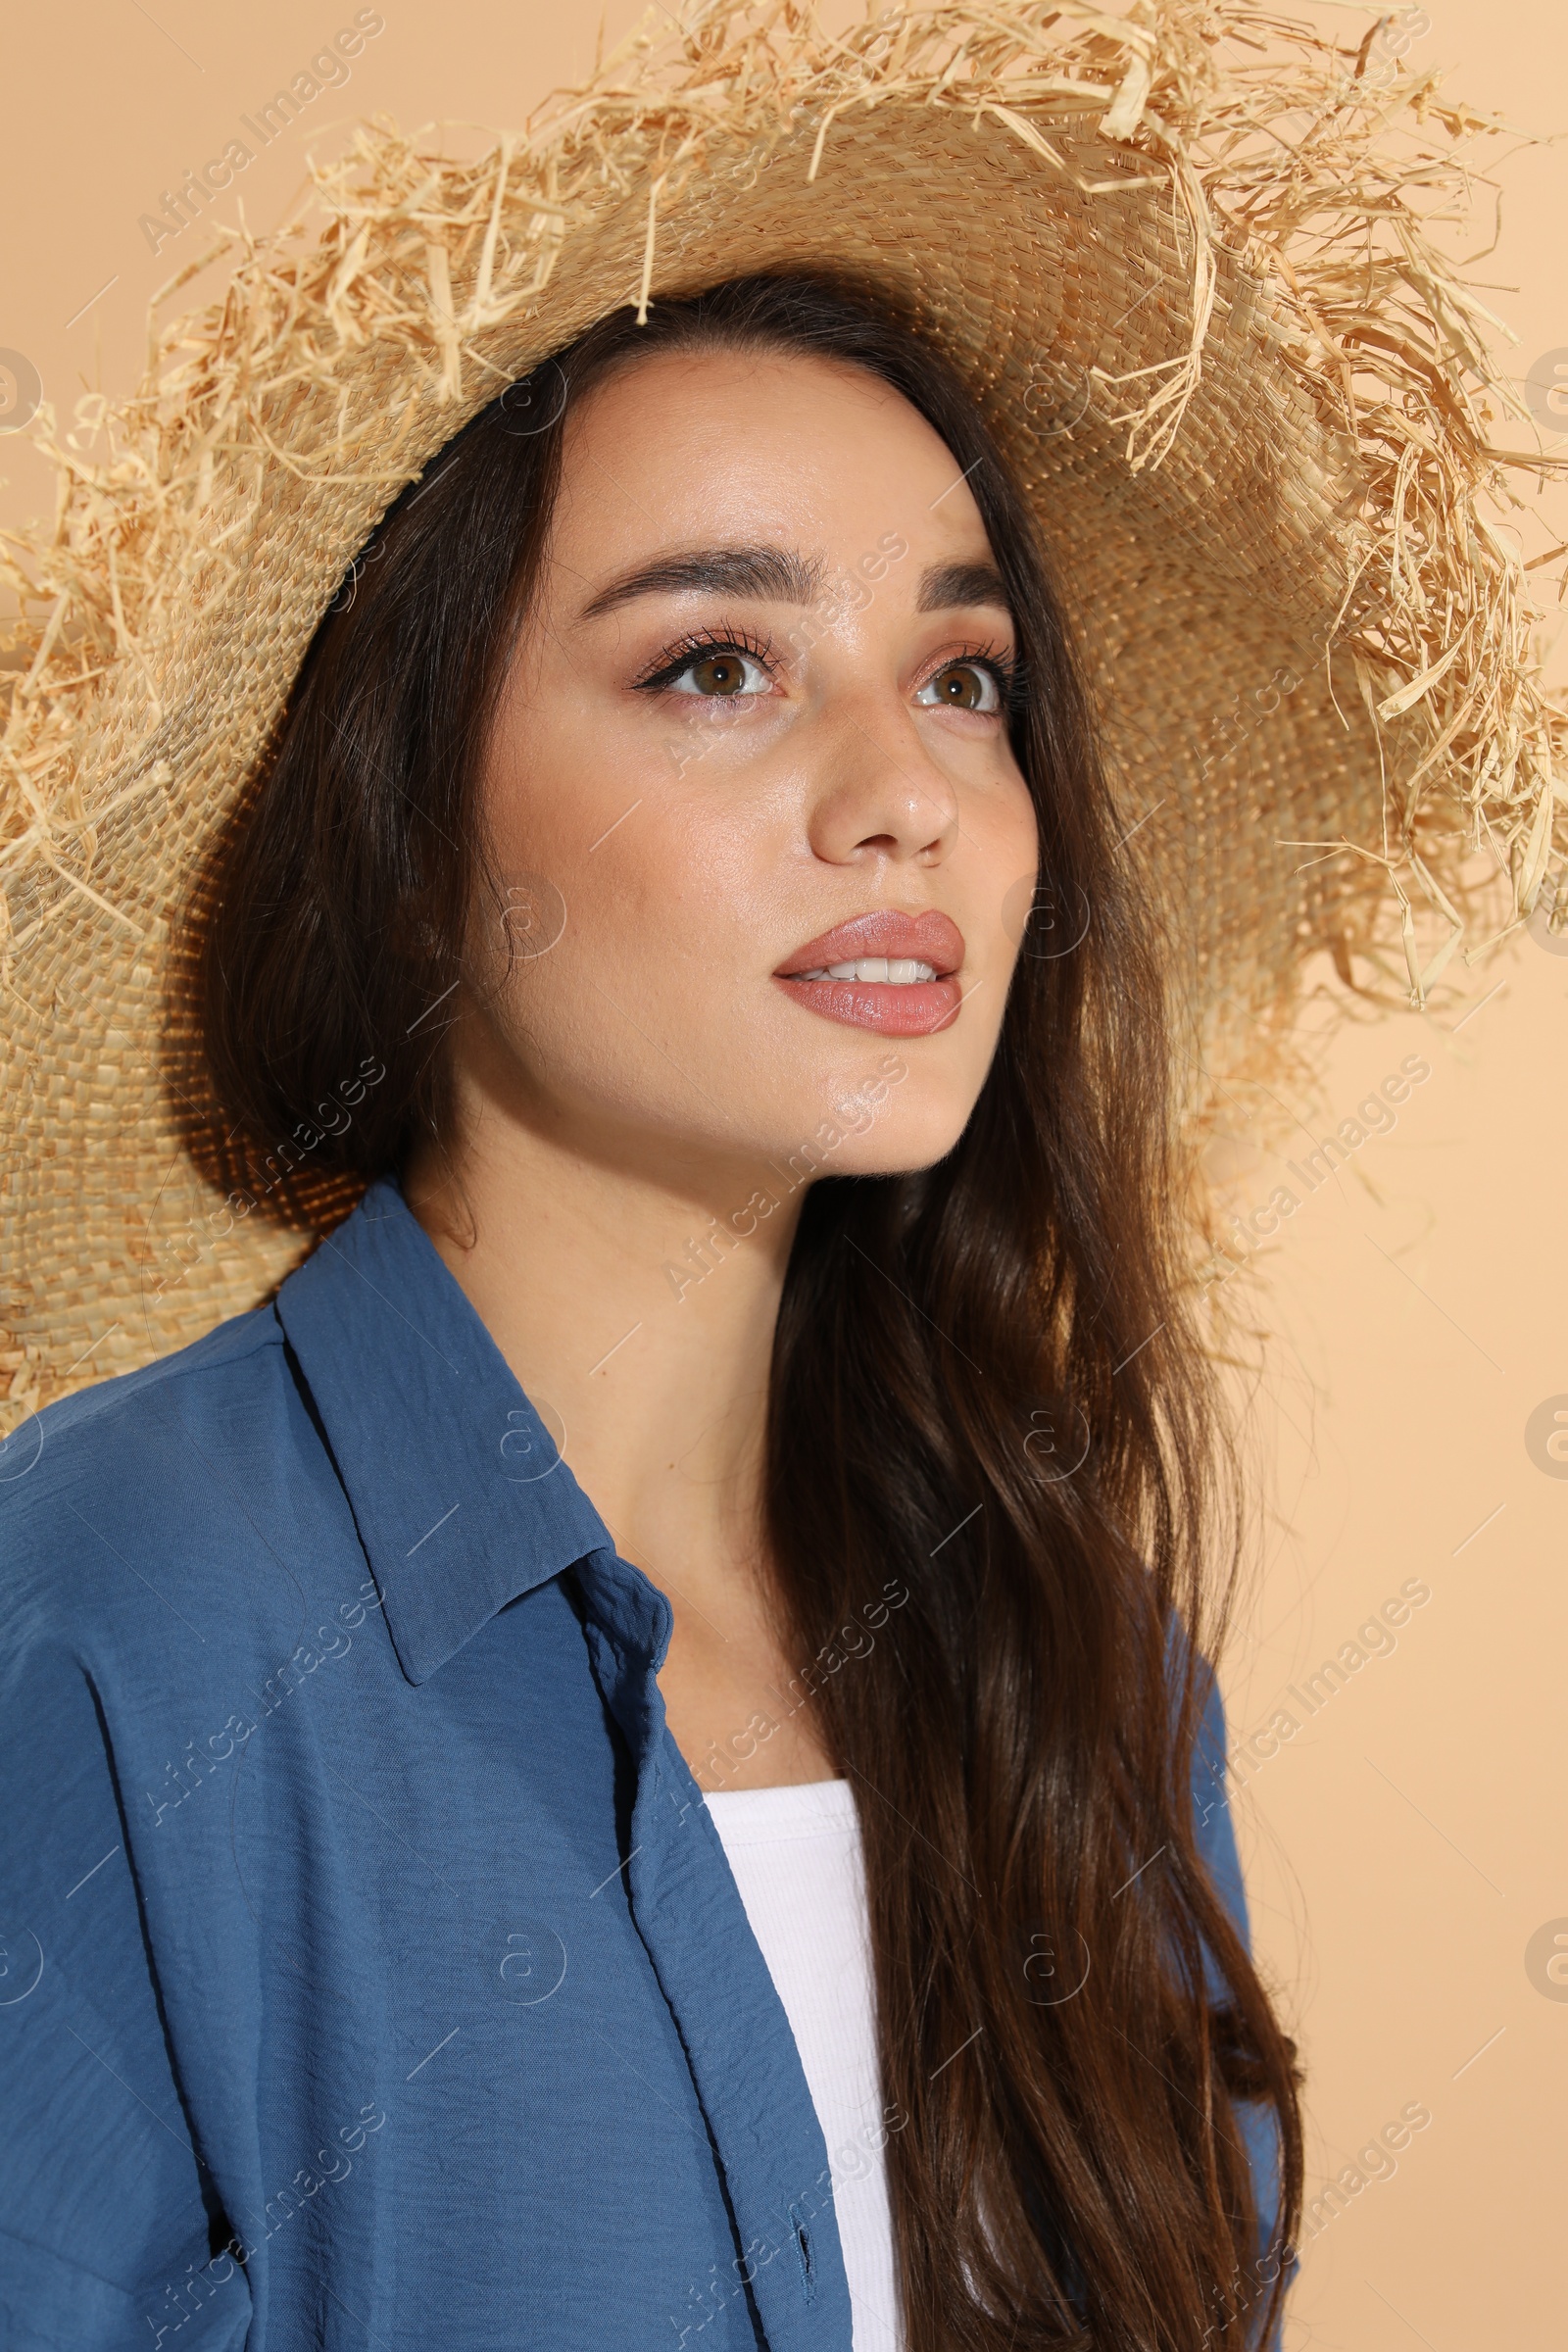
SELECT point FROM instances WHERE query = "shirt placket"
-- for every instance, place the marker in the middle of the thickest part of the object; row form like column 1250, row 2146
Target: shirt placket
column 745, row 2067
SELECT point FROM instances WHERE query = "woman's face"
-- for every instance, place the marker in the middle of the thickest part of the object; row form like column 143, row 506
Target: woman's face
column 753, row 732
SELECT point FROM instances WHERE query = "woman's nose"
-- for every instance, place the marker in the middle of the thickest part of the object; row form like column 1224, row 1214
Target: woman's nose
column 876, row 786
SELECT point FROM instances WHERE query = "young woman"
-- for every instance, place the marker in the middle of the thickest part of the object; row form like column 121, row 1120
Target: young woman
column 635, row 1747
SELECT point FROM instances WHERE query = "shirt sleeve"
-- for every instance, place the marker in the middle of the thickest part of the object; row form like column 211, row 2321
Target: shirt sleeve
column 105, row 2235
column 1216, row 1843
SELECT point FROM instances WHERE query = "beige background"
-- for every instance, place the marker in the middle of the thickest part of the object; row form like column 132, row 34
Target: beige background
column 1408, row 1841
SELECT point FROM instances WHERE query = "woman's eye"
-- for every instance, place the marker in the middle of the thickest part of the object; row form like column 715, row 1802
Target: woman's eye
column 962, row 686
column 723, row 673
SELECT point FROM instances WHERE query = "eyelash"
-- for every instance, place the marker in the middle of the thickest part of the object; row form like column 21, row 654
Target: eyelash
column 686, row 650
column 679, row 657
column 1004, row 668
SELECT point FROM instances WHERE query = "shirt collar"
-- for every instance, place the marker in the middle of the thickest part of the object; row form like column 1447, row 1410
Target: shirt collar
column 459, row 1495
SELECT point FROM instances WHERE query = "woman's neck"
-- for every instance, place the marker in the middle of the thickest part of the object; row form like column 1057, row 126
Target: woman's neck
column 645, row 1340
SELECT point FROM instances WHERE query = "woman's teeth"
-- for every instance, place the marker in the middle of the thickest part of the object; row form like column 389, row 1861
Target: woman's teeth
column 900, row 971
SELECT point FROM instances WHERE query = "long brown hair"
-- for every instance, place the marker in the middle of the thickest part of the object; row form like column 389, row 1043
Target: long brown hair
column 1071, row 2167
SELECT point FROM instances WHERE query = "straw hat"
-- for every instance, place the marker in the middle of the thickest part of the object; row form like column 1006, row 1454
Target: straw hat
column 1178, row 255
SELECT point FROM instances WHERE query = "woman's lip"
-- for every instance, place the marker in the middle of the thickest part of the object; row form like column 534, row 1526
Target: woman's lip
column 927, row 938
column 918, row 1010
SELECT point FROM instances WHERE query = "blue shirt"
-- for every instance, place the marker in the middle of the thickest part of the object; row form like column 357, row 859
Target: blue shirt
column 374, row 1975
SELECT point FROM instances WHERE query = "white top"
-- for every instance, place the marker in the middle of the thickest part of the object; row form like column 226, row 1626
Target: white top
column 796, row 1857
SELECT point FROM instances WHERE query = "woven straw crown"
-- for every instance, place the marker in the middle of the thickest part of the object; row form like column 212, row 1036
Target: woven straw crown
column 1179, row 256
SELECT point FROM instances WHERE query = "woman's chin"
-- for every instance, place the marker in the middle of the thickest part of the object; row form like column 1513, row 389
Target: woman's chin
column 858, row 1132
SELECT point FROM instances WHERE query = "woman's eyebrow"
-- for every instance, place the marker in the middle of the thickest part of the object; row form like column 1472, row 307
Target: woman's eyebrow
column 945, row 585
column 778, row 572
